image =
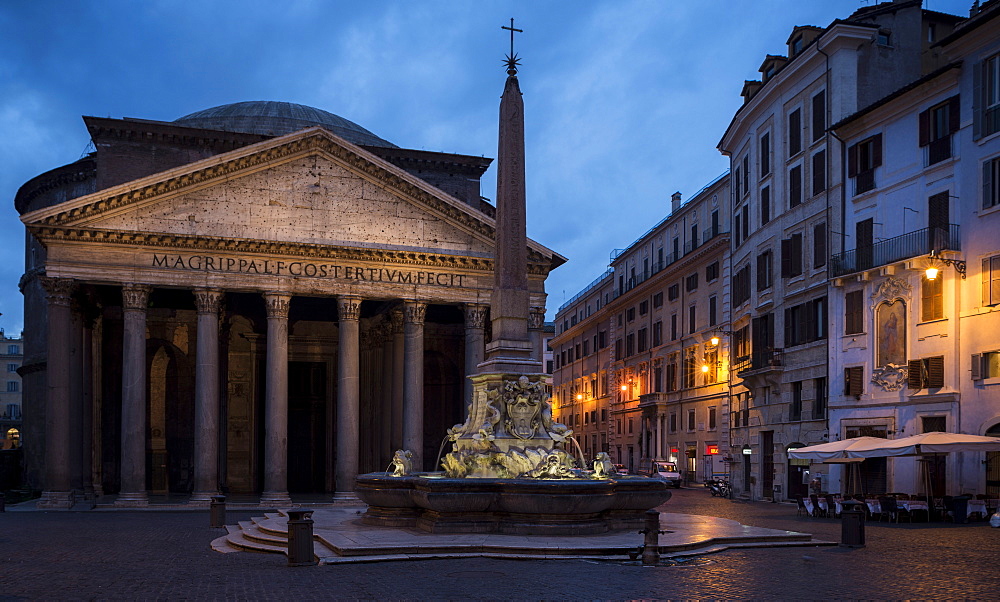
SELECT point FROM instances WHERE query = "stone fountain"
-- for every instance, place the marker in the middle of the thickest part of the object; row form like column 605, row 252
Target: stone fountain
column 509, row 470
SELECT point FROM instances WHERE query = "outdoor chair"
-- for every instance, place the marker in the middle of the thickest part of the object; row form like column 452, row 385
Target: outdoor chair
column 817, row 511
column 831, row 506
column 938, row 508
column 800, row 506
column 890, row 509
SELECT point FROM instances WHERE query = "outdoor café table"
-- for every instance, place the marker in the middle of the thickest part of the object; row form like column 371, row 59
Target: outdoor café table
column 808, row 504
column 823, row 505
column 911, row 505
column 874, row 507
column 976, row 506
column 840, row 506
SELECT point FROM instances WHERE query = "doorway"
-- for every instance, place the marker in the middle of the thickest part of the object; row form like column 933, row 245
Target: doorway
column 307, row 401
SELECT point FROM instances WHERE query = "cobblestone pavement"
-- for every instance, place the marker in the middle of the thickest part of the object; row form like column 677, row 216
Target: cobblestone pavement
column 127, row 555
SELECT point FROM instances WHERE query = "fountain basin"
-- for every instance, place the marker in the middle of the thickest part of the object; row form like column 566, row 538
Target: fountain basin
column 436, row 504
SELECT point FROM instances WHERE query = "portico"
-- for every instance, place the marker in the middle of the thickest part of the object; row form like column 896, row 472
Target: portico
column 271, row 320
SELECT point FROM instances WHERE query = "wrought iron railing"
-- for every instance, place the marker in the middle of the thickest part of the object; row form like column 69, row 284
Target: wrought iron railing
column 898, row 248
column 761, row 358
column 597, row 282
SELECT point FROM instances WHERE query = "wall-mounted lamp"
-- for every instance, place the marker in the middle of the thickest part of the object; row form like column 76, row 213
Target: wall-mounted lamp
column 579, row 396
column 716, row 339
column 934, row 260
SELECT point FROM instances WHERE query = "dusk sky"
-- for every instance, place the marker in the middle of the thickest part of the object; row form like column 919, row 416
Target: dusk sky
column 625, row 101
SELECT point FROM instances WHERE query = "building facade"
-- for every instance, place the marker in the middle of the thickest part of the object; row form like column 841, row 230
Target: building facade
column 911, row 353
column 642, row 371
column 260, row 298
column 788, row 171
column 11, row 358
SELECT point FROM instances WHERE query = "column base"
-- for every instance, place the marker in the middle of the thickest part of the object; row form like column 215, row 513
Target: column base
column 275, row 499
column 201, row 498
column 346, row 497
column 55, row 500
column 132, row 500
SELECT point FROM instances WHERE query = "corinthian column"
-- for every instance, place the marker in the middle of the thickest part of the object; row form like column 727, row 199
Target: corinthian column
column 57, row 492
column 348, row 394
column 135, row 298
column 475, row 346
column 206, row 397
column 398, row 360
column 276, row 402
column 413, row 380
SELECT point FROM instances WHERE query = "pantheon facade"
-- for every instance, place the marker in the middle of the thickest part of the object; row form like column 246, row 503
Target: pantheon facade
column 258, row 299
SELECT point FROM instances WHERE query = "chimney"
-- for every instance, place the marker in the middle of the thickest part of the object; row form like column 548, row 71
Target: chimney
column 675, row 202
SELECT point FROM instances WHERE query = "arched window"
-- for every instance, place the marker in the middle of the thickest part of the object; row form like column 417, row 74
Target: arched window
column 14, row 436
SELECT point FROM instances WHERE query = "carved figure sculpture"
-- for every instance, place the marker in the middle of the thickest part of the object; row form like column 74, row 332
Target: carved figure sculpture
column 555, row 466
column 603, row 468
column 402, row 463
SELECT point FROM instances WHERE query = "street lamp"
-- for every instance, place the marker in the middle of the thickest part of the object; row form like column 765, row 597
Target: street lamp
column 715, row 340
column 934, row 260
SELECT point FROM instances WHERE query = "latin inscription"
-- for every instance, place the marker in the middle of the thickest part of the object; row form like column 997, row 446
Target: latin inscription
column 208, row 263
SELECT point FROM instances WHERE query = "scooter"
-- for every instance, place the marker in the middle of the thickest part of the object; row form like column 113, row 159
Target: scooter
column 719, row 487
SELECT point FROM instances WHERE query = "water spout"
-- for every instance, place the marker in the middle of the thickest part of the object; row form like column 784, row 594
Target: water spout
column 579, row 450
column 437, row 463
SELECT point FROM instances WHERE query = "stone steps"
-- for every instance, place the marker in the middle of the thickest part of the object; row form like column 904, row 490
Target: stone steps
column 266, row 534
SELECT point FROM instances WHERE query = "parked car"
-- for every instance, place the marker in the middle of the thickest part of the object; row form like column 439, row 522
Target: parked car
column 620, row 469
column 668, row 472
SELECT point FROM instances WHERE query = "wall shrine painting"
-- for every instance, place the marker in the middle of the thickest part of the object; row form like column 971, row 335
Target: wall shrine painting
column 890, row 320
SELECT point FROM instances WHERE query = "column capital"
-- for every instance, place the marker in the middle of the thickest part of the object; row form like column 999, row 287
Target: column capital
column 414, row 312
column 348, row 307
column 277, row 304
column 208, row 300
column 396, row 321
column 475, row 315
column 58, row 290
column 536, row 318
column 135, row 296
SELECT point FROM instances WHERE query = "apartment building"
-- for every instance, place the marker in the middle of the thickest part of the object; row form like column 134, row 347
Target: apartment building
column 787, row 171
column 11, row 358
column 915, row 312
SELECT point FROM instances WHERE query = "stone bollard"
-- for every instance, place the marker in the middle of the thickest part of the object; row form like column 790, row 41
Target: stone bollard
column 651, row 541
column 217, row 511
column 852, row 524
column 300, row 538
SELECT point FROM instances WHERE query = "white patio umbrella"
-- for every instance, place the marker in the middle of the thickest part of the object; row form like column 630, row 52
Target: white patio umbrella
column 924, row 443
column 825, row 452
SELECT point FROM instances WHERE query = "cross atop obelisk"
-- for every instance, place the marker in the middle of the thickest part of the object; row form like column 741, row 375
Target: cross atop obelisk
column 511, row 60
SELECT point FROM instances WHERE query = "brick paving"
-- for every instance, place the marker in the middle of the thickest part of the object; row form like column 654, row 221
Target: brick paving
column 129, row 555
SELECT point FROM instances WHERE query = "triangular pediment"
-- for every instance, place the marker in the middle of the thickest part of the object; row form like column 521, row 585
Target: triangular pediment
column 310, row 187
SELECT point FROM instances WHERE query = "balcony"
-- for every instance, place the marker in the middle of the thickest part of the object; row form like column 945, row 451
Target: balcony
column 762, row 368
column 898, row 248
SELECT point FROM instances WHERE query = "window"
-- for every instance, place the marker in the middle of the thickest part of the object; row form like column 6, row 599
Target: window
column 572, row 320
column 712, row 420
column 884, row 38
column 991, row 183
column 712, row 310
column 737, row 239
column 11, row 367
column 991, row 280
column 818, row 115
column 794, row 132
column 586, row 348
column 931, row 299
column 797, row 47
column 691, row 419
column 986, row 102
column 806, row 322
column 765, row 205
column 795, row 411
column 657, row 333
column 712, row 272
column 986, row 365
column 618, row 350
column 673, row 327
column 602, row 339
column 819, row 172
column 673, row 292
column 691, row 282
column 692, row 322
column 690, row 368
column 926, row 373
column 819, row 405
column 764, row 266
column 819, row 245
column 672, row 372
column 862, row 159
column 791, row 256
column 765, row 154
column 746, row 221
column 657, row 300
column 936, row 125
column 630, row 344
column 642, row 335
column 13, row 386
column 630, row 314
column 741, row 285
column 643, row 308
column 738, row 181
column 746, row 174
column 854, row 378
column 795, row 186
column 853, row 313
column 673, row 422
column 13, row 349
column 712, row 361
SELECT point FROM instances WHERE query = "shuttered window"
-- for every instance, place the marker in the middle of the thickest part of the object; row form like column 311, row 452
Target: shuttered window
column 854, row 381
column 936, row 125
column 926, row 373
column 931, row 299
column 991, row 280
column 765, row 263
column 818, row 116
column 986, row 97
column 765, row 205
column 862, row 159
column 853, row 313
column 819, row 172
column 819, row 245
column 794, row 132
column 795, row 186
column 765, row 155
column 791, row 256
